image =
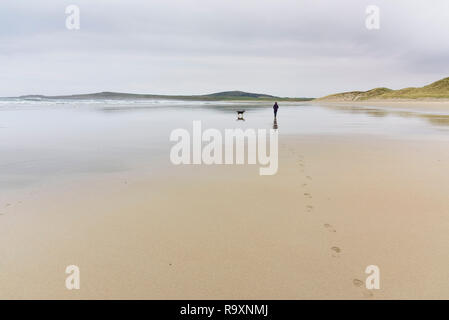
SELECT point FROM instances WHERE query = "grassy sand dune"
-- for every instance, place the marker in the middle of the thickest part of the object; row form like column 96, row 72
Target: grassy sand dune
column 436, row 90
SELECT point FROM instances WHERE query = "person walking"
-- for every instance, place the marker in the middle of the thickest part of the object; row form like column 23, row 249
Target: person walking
column 275, row 109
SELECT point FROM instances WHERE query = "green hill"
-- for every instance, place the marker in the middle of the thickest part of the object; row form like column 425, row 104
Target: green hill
column 241, row 94
column 436, row 90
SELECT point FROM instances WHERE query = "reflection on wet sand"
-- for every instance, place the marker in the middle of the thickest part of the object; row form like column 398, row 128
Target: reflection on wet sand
column 438, row 120
column 432, row 118
column 75, row 139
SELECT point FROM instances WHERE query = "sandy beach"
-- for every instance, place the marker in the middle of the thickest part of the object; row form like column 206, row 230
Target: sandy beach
column 337, row 205
column 216, row 150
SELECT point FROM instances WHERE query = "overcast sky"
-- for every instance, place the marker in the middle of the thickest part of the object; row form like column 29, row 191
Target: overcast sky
column 280, row 47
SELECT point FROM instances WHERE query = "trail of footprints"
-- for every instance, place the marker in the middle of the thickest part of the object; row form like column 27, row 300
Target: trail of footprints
column 307, row 194
column 335, row 251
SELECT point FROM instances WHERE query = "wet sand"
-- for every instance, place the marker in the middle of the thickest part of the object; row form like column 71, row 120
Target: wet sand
column 410, row 104
column 336, row 206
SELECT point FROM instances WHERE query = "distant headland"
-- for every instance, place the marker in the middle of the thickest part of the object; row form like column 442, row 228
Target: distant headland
column 219, row 96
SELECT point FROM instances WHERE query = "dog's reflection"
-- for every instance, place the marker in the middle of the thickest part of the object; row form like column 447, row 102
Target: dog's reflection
column 240, row 115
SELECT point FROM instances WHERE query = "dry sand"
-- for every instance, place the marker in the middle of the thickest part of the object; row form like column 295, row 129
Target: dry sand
column 336, row 206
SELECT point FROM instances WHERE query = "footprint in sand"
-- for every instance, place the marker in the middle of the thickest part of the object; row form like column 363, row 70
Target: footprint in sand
column 309, row 177
column 336, row 249
column 329, row 227
column 304, row 184
column 7, row 205
column 308, row 195
column 360, row 284
column 309, row 208
column 357, row 283
column 336, row 252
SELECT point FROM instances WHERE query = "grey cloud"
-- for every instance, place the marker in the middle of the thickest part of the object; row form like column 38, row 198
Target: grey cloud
column 283, row 47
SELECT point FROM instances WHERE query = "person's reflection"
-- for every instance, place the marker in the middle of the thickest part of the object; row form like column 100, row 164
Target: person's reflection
column 275, row 124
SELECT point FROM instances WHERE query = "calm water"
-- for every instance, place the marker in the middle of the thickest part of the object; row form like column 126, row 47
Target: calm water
column 41, row 140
